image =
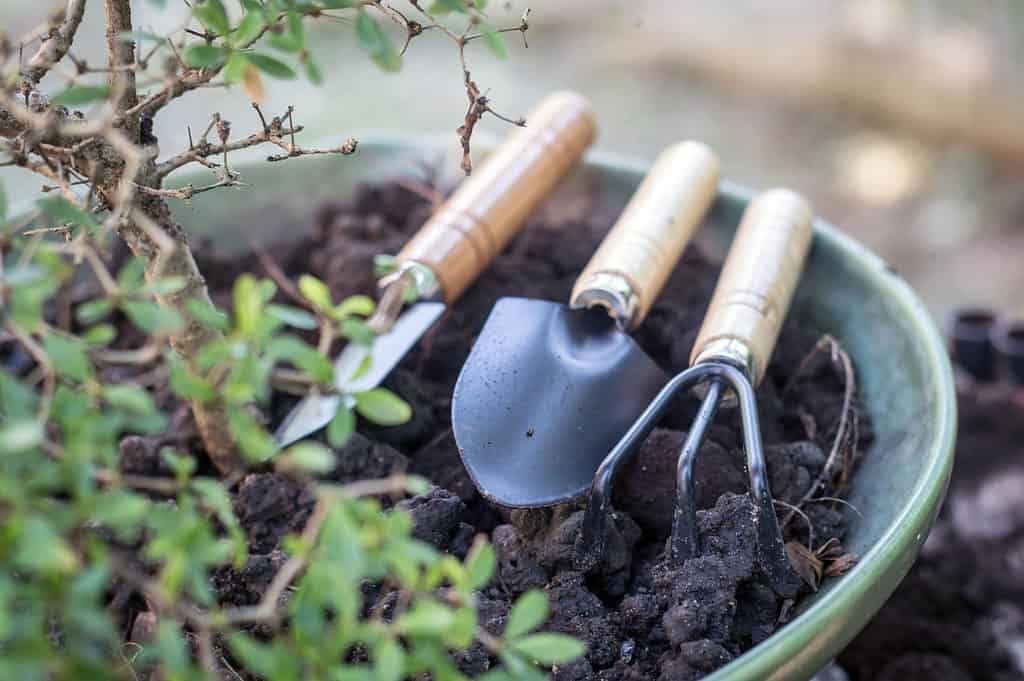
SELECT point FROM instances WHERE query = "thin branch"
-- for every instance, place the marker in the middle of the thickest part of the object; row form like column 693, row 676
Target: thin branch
column 846, row 417
column 53, row 48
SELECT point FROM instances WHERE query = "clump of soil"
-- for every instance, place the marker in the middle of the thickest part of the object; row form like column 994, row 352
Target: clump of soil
column 959, row 614
column 642, row 616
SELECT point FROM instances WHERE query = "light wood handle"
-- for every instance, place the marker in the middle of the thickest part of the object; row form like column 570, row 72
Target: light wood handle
column 757, row 283
column 633, row 262
column 490, row 206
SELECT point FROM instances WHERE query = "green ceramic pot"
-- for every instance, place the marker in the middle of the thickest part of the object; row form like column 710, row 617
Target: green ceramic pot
column 904, row 375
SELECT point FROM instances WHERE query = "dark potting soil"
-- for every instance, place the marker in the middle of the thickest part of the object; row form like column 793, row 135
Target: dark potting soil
column 641, row 616
column 959, row 614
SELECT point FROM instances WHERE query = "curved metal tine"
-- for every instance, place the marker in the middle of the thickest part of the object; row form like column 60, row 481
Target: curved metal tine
column 598, row 505
column 770, row 544
column 684, row 517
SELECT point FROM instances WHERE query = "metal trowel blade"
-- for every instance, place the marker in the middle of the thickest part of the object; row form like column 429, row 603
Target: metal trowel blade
column 545, row 394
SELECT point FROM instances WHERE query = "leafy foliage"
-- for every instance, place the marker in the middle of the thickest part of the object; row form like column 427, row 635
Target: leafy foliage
column 79, row 536
column 75, row 529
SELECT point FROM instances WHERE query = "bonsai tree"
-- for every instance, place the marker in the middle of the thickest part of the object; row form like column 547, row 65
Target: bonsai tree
column 78, row 536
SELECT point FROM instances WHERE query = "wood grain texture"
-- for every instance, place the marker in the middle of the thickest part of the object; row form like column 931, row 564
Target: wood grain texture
column 485, row 212
column 646, row 242
column 758, row 279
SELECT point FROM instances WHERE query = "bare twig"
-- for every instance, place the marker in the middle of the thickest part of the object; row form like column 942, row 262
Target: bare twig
column 57, row 44
column 847, row 419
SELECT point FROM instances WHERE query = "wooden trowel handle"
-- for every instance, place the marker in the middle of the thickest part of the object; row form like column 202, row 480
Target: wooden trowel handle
column 633, row 262
column 489, row 207
column 757, row 283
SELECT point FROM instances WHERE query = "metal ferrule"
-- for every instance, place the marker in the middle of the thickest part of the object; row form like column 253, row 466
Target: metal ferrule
column 731, row 351
column 395, row 289
column 422, row 275
column 613, row 292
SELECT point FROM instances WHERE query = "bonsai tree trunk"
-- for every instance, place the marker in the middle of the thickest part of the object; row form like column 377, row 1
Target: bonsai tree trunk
column 151, row 233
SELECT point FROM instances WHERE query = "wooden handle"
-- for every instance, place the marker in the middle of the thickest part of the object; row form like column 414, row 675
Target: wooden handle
column 633, row 262
column 490, row 206
column 757, row 283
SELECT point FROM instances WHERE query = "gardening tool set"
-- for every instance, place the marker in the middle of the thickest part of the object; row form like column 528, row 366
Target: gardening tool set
column 554, row 399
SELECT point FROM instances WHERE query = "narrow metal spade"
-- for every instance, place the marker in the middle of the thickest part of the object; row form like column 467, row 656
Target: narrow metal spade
column 548, row 390
column 458, row 243
column 729, row 359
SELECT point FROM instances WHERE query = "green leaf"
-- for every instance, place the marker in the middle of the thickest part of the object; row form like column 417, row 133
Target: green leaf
column 357, row 330
column 202, row 55
column 387, row 658
column 481, row 4
column 495, row 42
column 212, row 15
column 336, row 4
column 315, row 292
column 171, row 650
column 292, row 316
column 234, row 69
column 316, row 77
column 131, row 275
column 207, row 313
column 549, row 647
column 248, row 29
column 77, row 95
column 99, row 335
column 121, row 511
column 187, row 383
column 528, row 613
column 67, row 354
column 63, row 211
column 285, row 42
column 372, row 38
column 129, row 397
column 384, row 264
column 17, row 400
column 341, row 427
column 21, row 435
column 441, row 7
column 463, row 631
column 302, row 355
column 311, row 456
column 354, row 305
column 427, row 617
column 481, row 564
column 272, row 67
column 168, row 285
column 91, row 311
column 41, row 549
column 383, row 407
column 249, row 297
column 152, row 317
column 182, row 464
column 253, row 440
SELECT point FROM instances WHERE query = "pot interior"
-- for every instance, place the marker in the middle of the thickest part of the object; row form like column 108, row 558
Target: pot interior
column 904, row 378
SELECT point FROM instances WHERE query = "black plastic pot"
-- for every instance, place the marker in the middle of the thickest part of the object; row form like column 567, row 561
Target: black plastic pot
column 970, row 335
column 1009, row 344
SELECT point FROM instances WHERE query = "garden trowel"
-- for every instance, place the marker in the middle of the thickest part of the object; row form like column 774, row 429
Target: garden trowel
column 549, row 389
column 458, row 242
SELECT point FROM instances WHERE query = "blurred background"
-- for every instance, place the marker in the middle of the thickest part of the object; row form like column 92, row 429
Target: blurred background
column 903, row 120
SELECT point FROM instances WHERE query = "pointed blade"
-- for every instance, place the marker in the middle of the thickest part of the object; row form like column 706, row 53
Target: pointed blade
column 388, row 349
